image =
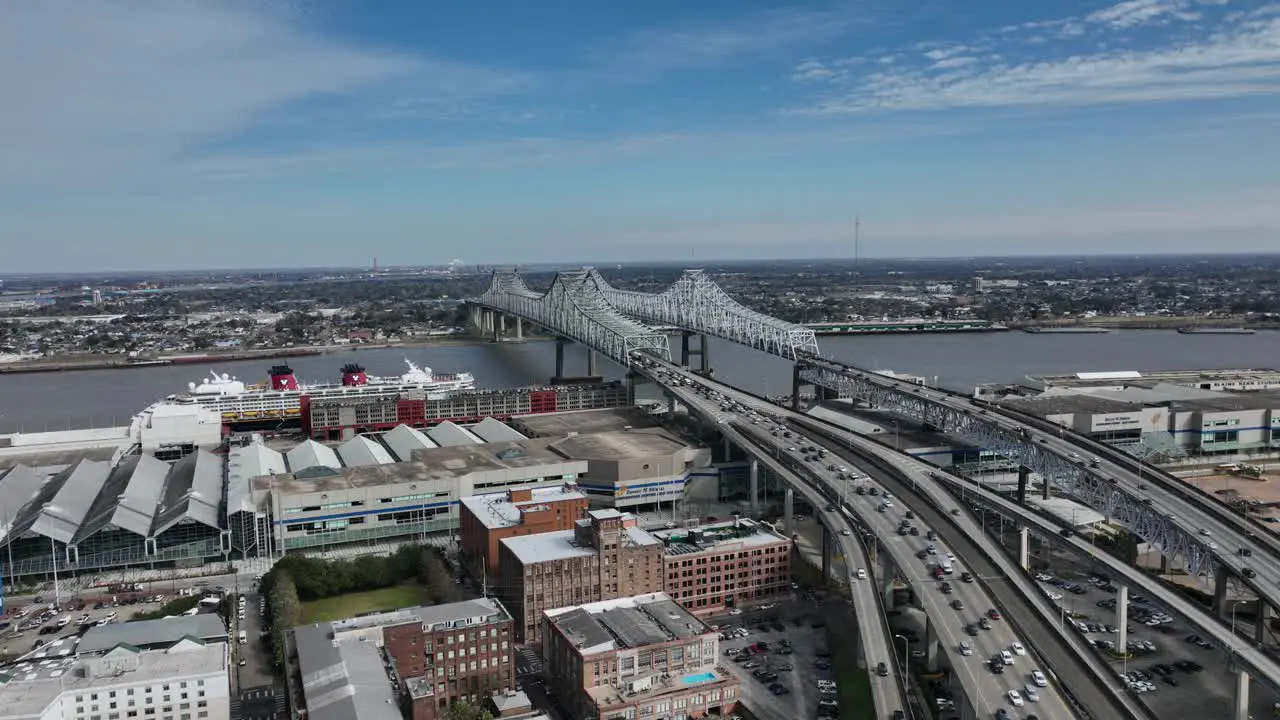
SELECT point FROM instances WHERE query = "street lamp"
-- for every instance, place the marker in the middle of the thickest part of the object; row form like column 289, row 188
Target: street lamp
column 906, row 658
column 1234, row 605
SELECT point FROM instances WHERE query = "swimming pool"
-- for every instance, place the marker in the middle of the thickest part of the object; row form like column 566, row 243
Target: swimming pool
column 699, row 678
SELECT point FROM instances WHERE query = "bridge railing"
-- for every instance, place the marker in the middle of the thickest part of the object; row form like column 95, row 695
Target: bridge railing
column 696, row 303
column 573, row 307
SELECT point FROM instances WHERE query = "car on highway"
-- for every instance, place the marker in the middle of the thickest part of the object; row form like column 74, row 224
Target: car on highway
column 1030, row 693
column 845, row 532
column 966, row 648
column 994, row 614
column 1018, row 648
column 1006, row 657
column 862, row 574
column 1039, row 679
column 1015, row 698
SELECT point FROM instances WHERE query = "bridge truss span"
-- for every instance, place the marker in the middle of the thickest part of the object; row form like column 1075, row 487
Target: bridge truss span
column 574, row 308
column 1070, row 475
column 697, row 304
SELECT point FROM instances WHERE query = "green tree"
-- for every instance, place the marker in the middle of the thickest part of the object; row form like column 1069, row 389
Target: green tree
column 466, row 711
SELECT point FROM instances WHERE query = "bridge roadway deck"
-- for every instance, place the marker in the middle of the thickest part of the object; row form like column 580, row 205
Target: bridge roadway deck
column 928, row 479
column 985, row 693
column 887, row 693
column 1190, row 508
column 1062, row 651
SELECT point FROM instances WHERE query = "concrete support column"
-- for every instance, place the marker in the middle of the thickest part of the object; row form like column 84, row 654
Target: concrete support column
column 788, row 509
column 754, row 487
column 1024, row 548
column 828, row 550
column 930, row 646
column 1046, row 487
column 560, row 343
column 1242, row 696
column 728, row 450
column 632, row 378
column 1260, row 624
column 886, row 581
column 1024, row 474
column 671, row 406
column 1122, row 619
column 502, row 324
column 684, row 347
column 519, row 328
column 592, row 361
column 704, row 357
column 795, row 388
column 1220, row 579
column 499, row 325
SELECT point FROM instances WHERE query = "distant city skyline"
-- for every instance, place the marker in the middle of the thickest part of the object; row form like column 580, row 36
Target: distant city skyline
column 238, row 133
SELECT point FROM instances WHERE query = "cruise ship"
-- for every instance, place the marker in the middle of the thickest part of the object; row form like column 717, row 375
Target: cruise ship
column 283, row 397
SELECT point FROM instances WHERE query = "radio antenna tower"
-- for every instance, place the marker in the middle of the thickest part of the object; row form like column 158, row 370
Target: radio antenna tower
column 857, row 221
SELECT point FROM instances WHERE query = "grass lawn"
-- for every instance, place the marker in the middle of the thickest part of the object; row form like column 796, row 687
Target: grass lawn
column 854, row 682
column 352, row 604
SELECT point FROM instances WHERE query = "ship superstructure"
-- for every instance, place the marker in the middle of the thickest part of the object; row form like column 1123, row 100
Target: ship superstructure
column 283, row 397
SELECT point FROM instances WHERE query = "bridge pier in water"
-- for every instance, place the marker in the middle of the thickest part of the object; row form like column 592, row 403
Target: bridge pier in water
column 592, row 375
column 702, row 351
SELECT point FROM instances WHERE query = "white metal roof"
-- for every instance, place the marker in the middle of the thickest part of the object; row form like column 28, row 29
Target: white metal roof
column 447, row 434
column 244, row 464
column 494, row 430
column 17, row 487
column 192, row 491
column 360, row 450
column 130, row 497
column 309, row 454
column 403, row 440
column 1110, row 375
column 62, row 504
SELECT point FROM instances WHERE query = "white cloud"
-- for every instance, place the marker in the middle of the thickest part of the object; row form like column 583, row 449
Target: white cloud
column 1240, row 58
column 1130, row 13
column 648, row 54
column 111, row 90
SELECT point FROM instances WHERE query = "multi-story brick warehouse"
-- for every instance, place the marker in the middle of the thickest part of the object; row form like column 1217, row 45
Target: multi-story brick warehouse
column 711, row 567
column 487, row 519
column 431, row 657
column 607, row 555
column 636, row 658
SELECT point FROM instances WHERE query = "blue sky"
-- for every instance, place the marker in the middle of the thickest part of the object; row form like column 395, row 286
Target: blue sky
column 255, row 133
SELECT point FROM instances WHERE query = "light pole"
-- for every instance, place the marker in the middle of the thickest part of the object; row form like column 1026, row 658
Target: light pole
column 897, row 445
column 906, row 659
column 1232, row 649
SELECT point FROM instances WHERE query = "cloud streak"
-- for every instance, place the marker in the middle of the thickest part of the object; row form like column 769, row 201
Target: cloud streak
column 98, row 91
column 1239, row 58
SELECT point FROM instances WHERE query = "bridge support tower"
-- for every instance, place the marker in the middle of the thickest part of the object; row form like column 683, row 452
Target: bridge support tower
column 702, row 351
column 1024, row 548
column 1122, row 619
column 754, row 487
column 788, row 510
column 560, row 378
column 1241, row 711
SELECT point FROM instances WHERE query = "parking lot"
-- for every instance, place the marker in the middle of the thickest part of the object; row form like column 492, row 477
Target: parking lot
column 1174, row 689
column 81, row 612
column 790, row 654
column 255, row 652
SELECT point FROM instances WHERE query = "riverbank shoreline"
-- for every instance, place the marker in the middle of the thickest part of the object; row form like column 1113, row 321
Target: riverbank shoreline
column 116, row 362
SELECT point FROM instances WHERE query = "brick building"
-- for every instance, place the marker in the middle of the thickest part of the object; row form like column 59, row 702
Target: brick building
column 636, row 658
column 485, row 520
column 711, row 567
column 426, row 657
column 606, row 555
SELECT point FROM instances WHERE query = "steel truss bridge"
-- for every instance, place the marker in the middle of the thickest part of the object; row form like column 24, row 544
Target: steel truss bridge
column 950, row 415
column 582, row 306
column 574, row 307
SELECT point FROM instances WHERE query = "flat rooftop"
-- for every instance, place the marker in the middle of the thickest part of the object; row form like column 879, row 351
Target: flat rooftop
column 744, row 533
column 34, row 686
column 442, row 463
column 1146, row 377
column 545, row 547
column 629, row 622
column 583, row 422
column 620, row 445
column 496, row 510
column 148, row 633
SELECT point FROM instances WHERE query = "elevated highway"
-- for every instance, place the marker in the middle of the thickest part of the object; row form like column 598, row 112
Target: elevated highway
column 984, row 691
column 889, row 691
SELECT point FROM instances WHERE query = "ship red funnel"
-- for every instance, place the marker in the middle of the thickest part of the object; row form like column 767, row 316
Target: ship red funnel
column 282, row 378
column 353, row 374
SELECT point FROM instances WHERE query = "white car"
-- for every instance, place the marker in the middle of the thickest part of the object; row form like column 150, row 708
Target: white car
column 845, row 532
column 1015, row 699
column 1029, row 692
column 1017, row 648
column 735, row 611
column 1038, row 678
column 862, row 574
column 966, row 647
column 1005, row 657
